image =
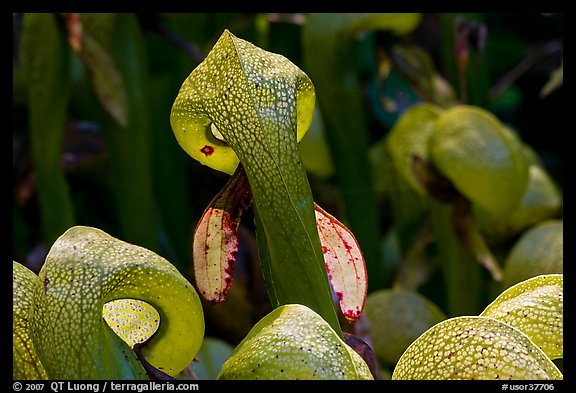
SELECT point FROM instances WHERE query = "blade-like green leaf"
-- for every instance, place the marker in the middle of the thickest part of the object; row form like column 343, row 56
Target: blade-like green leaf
column 261, row 103
column 474, row 348
column 130, row 146
column 293, row 342
column 329, row 56
column 27, row 365
column 85, row 270
column 46, row 60
column 535, row 307
column 460, row 268
column 106, row 79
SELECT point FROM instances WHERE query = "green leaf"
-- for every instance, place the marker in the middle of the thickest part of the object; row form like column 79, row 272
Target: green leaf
column 474, row 347
column 130, row 146
column 417, row 66
column 483, row 159
column 85, row 270
column 328, row 43
column 535, row 307
column 541, row 201
column 460, row 268
column 540, row 250
column 409, row 138
column 293, row 342
column 105, row 78
column 46, row 61
column 260, row 104
column 27, row 365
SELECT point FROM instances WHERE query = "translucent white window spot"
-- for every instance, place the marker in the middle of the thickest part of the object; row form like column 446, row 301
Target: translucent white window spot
column 134, row 321
column 216, row 133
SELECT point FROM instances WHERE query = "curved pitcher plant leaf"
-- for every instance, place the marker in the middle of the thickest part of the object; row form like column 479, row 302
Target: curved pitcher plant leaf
column 474, row 347
column 515, row 337
column 93, row 285
column 27, row 365
column 540, row 250
column 535, row 307
column 244, row 104
column 472, row 148
column 293, row 342
column 541, row 201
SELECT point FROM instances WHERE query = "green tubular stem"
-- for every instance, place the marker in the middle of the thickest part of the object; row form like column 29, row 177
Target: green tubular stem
column 339, row 97
column 46, row 57
column 462, row 273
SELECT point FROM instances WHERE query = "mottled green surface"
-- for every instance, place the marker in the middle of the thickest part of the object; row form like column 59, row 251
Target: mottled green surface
column 293, row 342
column 26, row 363
column 482, row 158
column 396, row 318
column 474, row 348
column 87, row 268
column 536, row 308
column 261, row 103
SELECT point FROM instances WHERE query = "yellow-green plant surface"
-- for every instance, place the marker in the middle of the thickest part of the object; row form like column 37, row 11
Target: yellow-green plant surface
column 542, row 320
column 516, row 337
column 541, row 201
column 540, row 250
column 26, row 362
column 472, row 148
column 86, row 276
column 293, row 342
